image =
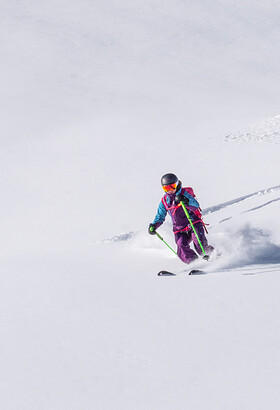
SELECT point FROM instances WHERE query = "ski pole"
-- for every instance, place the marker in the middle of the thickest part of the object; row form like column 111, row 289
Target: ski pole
column 161, row 238
column 193, row 228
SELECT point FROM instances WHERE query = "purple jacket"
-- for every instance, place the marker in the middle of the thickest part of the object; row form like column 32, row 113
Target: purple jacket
column 176, row 211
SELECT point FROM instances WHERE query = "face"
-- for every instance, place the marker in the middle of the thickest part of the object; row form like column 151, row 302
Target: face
column 171, row 191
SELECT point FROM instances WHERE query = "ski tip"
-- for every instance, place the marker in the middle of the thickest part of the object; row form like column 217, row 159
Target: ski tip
column 166, row 273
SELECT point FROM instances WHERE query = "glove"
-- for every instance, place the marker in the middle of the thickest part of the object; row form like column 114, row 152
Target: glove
column 152, row 229
column 182, row 198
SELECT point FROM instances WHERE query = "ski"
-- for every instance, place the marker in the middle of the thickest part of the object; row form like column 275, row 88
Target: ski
column 191, row 272
column 166, row 273
column 196, row 272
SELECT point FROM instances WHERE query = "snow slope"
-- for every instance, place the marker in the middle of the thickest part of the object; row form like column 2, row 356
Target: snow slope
column 97, row 328
column 99, row 100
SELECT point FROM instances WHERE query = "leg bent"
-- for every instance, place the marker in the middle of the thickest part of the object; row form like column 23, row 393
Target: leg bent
column 185, row 253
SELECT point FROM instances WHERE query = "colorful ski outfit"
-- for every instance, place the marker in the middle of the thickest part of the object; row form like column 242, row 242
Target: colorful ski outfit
column 182, row 229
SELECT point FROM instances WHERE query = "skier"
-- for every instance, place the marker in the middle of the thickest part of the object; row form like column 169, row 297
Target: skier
column 183, row 232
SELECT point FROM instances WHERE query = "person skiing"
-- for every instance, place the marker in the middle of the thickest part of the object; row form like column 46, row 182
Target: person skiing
column 182, row 229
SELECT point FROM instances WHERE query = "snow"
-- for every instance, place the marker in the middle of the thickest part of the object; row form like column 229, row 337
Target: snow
column 99, row 100
column 267, row 131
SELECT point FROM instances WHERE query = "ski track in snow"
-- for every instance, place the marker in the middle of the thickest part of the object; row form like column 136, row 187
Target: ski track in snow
column 223, row 205
column 261, row 206
column 117, row 238
column 250, row 210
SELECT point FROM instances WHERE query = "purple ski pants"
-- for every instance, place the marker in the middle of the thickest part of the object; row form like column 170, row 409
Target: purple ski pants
column 184, row 239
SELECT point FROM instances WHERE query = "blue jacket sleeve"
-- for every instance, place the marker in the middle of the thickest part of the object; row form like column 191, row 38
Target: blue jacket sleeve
column 160, row 216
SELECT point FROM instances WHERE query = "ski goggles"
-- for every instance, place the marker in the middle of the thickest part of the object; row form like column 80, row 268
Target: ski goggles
column 169, row 187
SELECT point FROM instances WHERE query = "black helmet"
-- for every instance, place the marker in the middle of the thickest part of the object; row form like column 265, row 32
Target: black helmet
column 168, row 179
